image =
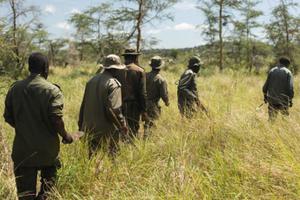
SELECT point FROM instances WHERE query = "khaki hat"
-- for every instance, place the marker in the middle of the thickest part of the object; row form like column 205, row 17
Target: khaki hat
column 156, row 62
column 131, row 51
column 113, row 61
column 195, row 61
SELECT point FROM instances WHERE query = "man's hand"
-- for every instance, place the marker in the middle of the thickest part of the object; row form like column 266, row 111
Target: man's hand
column 124, row 130
column 265, row 98
column 145, row 117
column 68, row 139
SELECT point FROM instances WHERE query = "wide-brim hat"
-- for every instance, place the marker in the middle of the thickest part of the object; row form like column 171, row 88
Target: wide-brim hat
column 156, row 62
column 131, row 52
column 113, row 61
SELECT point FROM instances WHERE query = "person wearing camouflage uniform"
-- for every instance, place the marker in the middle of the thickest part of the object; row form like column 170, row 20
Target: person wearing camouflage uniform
column 188, row 99
column 100, row 112
column 33, row 107
column 133, row 80
column 278, row 89
column 157, row 89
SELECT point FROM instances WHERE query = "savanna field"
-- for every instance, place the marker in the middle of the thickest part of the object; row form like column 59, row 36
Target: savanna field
column 233, row 154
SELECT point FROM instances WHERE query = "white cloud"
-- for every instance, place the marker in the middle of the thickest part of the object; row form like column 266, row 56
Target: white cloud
column 185, row 5
column 75, row 11
column 50, row 9
column 178, row 27
column 154, row 31
column 184, row 27
column 63, row 25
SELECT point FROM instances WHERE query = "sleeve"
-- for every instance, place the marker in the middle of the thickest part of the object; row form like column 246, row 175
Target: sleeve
column 114, row 103
column 164, row 92
column 191, row 88
column 142, row 92
column 291, row 86
column 80, row 119
column 56, row 103
column 8, row 111
column 266, row 85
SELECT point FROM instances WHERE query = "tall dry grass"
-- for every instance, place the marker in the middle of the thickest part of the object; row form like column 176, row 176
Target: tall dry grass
column 234, row 154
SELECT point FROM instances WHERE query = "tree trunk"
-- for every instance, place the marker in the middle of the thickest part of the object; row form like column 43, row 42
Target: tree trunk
column 286, row 27
column 221, row 34
column 138, row 25
column 15, row 40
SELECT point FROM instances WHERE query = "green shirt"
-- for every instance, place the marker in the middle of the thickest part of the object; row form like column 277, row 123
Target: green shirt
column 29, row 106
column 102, row 93
column 157, row 87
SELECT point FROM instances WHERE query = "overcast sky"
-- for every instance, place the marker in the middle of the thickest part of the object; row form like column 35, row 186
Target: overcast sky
column 184, row 31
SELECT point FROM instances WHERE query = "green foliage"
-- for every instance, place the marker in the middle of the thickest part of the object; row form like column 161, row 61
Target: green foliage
column 234, row 154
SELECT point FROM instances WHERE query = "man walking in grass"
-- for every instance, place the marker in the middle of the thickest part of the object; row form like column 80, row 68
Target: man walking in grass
column 156, row 89
column 188, row 99
column 101, row 109
column 278, row 89
column 34, row 107
column 133, row 80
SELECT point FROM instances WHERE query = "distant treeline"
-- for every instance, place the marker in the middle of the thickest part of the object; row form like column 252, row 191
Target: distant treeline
column 109, row 27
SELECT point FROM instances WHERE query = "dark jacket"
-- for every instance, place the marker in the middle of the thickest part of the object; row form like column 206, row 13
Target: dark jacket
column 29, row 106
column 279, row 88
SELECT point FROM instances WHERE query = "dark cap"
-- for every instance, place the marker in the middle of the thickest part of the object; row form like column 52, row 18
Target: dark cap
column 195, row 61
column 284, row 60
column 131, row 52
column 156, row 62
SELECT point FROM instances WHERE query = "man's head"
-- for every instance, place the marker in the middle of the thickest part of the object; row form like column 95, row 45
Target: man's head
column 284, row 61
column 156, row 63
column 38, row 64
column 131, row 56
column 194, row 64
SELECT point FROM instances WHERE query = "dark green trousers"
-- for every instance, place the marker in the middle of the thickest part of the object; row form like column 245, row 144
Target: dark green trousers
column 26, row 181
column 132, row 114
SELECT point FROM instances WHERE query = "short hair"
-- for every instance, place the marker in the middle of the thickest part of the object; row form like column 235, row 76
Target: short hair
column 38, row 63
column 284, row 60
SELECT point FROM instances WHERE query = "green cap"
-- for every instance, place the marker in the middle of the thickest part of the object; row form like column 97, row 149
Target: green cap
column 195, row 61
column 156, row 62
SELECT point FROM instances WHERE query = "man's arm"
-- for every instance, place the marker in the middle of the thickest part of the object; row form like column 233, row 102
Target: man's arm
column 8, row 111
column 266, row 88
column 291, row 89
column 80, row 120
column 114, row 106
column 56, row 116
column 291, row 86
column 164, row 92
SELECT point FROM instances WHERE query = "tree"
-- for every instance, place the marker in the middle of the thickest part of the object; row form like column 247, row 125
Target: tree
column 221, row 10
column 142, row 12
column 82, row 23
column 284, row 29
column 246, row 25
column 54, row 49
column 18, row 10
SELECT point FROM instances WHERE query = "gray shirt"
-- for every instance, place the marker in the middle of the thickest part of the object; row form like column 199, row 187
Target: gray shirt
column 102, row 95
column 279, row 87
column 187, row 86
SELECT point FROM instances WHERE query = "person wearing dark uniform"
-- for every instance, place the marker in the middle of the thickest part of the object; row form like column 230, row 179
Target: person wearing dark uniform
column 157, row 89
column 188, row 99
column 33, row 107
column 133, row 80
column 101, row 109
column 278, row 89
